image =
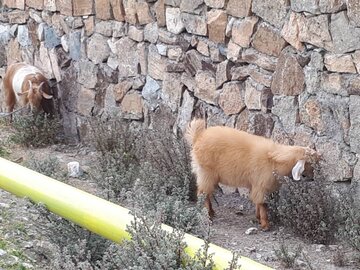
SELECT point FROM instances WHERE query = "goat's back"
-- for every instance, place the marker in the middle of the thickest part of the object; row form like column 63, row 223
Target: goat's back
column 234, row 156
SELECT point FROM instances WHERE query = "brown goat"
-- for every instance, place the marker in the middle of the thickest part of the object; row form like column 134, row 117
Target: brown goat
column 236, row 158
column 26, row 84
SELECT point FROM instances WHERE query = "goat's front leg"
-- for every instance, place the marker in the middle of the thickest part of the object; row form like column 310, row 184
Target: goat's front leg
column 263, row 216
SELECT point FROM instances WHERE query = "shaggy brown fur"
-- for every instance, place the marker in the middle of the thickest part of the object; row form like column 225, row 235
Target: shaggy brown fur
column 34, row 88
column 236, row 158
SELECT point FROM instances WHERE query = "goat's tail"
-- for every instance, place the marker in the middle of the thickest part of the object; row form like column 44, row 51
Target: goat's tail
column 194, row 129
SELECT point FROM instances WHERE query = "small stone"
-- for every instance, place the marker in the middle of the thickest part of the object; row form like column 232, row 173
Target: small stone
column 65, row 43
column 206, row 87
column 216, row 21
column 223, row 73
column 156, row 63
column 191, row 6
column 151, row 33
column 188, row 81
column 172, row 90
column 97, row 48
column 132, row 106
column 159, row 7
column 268, row 40
column 135, row 33
column 120, row 89
column 315, row 30
column 262, row 60
column 175, row 53
column 174, row 24
column 151, row 92
column 87, row 74
column 286, row 108
column 2, row 252
column 251, row 231
column 51, row 38
column 289, row 78
column 74, row 169
column 231, row 99
column 353, row 12
column 23, row 36
column 4, row 205
column 143, row 13
column 102, row 9
column 85, row 101
column 233, row 51
column 320, row 248
column 130, row 11
column 345, row 37
column 89, row 25
column 75, row 45
column 18, row 16
column 242, row 31
column 215, row 3
column 118, row 10
column 290, row 31
column 239, row 9
column 203, row 48
column 105, row 28
column 194, row 24
column 339, row 63
column 271, row 11
column 185, row 111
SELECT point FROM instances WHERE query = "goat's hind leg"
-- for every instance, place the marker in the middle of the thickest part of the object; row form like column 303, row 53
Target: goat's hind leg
column 205, row 185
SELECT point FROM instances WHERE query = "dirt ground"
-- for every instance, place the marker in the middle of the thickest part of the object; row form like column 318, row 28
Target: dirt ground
column 234, row 215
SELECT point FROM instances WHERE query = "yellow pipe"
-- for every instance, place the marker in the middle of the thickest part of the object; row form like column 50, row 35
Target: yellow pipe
column 93, row 213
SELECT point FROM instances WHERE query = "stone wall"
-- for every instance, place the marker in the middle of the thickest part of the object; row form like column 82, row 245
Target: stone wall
column 286, row 69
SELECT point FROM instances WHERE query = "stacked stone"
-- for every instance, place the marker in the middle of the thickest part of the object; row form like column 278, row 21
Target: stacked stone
column 286, row 69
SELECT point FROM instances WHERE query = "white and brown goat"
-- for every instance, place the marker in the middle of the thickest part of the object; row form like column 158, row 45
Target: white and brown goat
column 236, row 158
column 25, row 84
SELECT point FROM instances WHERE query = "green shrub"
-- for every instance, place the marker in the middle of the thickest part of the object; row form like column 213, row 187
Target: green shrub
column 349, row 219
column 153, row 248
column 307, row 208
column 35, row 130
column 117, row 166
column 49, row 167
column 286, row 256
column 73, row 246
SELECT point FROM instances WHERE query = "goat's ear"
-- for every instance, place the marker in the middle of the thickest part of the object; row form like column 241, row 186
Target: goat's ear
column 298, row 169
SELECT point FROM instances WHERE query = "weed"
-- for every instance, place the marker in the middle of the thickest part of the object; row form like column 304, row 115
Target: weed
column 50, row 166
column 3, row 244
column 306, row 208
column 153, row 248
column 3, row 151
column 349, row 215
column 117, row 166
column 35, row 130
column 287, row 257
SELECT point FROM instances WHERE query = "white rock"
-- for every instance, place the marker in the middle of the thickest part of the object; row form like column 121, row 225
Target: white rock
column 4, row 205
column 162, row 49
column 2, row 252
column 320, row 248
column 65, row 43
column 74, row 169
column 174, row 22
column 251, row 230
